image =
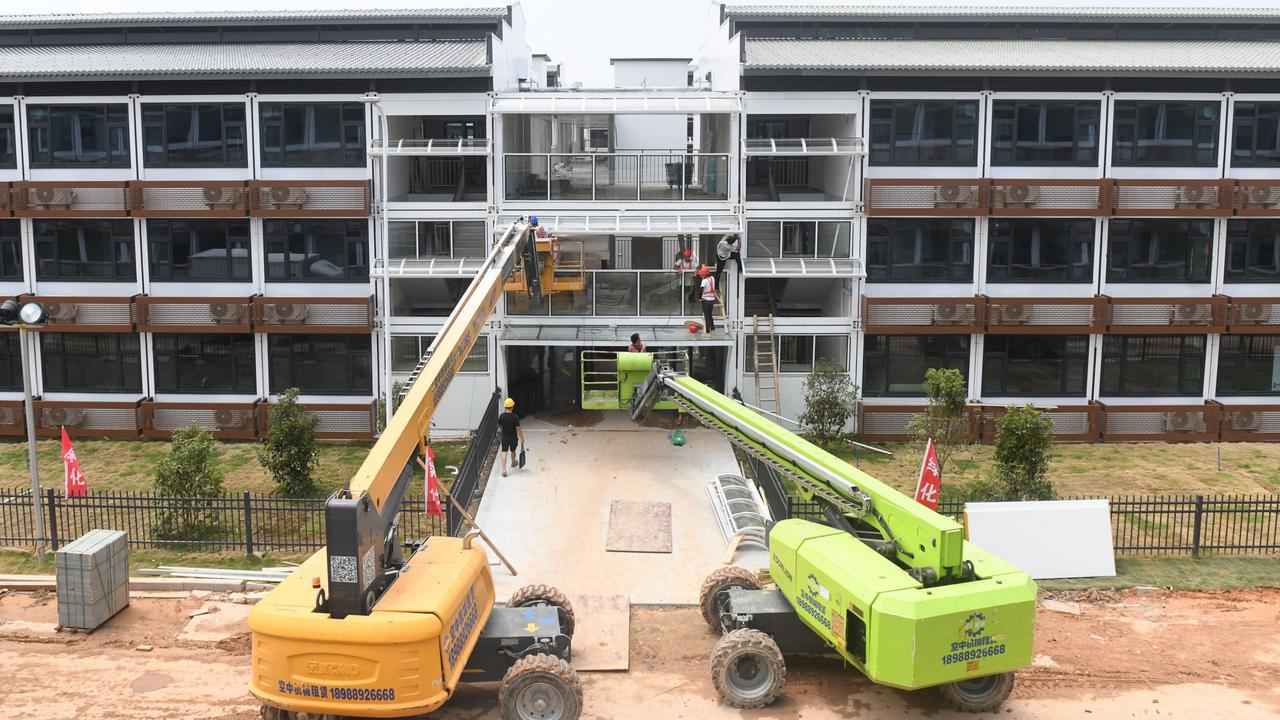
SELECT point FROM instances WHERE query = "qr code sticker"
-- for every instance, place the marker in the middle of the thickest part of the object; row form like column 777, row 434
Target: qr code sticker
column 342, row 568
column 368, row 567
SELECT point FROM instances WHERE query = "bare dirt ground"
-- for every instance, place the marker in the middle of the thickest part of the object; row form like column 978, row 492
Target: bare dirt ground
column 1192, row 655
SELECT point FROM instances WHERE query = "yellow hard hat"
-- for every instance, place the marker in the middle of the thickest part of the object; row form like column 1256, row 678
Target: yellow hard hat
column 509, row 403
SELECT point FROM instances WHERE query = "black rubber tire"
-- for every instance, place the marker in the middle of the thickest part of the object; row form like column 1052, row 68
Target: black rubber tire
column 979, row 694
column 748, row 656
column 544, row 596
column 719, row 581
column 540, row 678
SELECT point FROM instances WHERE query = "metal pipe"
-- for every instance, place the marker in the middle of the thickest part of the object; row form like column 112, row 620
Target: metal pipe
column 33, row 458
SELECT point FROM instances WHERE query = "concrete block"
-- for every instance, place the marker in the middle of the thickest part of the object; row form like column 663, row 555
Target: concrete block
column 93, row 579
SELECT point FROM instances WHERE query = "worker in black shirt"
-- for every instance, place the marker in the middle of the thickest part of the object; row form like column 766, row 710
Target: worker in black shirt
column 509, row 424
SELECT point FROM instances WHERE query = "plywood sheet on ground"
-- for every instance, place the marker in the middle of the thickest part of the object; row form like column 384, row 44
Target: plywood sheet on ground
column 639, row 526
column 602, row 634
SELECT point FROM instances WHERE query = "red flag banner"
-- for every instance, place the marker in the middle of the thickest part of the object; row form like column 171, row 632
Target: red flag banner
column 433, row 486
column 930, row 483
column 76, row 486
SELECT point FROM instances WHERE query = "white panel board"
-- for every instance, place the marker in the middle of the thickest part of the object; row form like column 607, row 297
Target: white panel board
column 1051, row 539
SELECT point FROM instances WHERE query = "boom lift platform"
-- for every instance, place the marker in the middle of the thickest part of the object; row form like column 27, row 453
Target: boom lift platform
column 362, row 630
column 887, row 584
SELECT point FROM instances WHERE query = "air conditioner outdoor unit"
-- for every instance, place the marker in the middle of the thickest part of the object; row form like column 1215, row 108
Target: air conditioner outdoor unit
column 285, row 198
column 949, row 314
column 222, row 198
column 1243, row 420
column 953, row 196
column 51, row 198
column 1182, row 421
column 1194, row 196
column 62, row 312
column 1021, row 196
column 1192, row 314
column 285, row 313
column 1261, row 196
column 11, row 415
column 229, row 313
column 228, row 419
column 63, row 417
column 1253, row 313
column 1014, row 314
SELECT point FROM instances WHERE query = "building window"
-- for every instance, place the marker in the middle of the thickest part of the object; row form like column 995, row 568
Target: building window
column 74, row 136
column 802, row 353
column 10, row 250
column 1152, row 365
column 1159, row 250
column 1034, row 365
column 316, row 250
column 8, row 139
column 199, row 249
column 194, row 135
column 427, row 297
column 924, row 132
column 437, row 239
column 84, row 249
column 408, row 350
column 1249, row 365
column 1040, row 250
column 320, row 364
column 205, row 363
column 920, row 250
column 798, row 239
column 1044, row 133
column 10, row 362
column 1256, row 138
column 1253, row 251
column 90, row 362
column 1166, row 133
column 895, row 365
column 312, row 134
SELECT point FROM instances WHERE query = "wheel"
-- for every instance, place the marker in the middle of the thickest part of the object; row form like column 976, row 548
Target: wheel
column 979, row 694
column 544, row 596
column 270, row 713
column 540, row 687
column 747, row 669
column 712, row 598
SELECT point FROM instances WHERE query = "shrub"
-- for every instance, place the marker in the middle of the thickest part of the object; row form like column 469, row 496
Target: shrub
column 944, row 420
column 190, row 470
column 289, row 452
column 829, row 395
column 396, row 388
column 1023, row 449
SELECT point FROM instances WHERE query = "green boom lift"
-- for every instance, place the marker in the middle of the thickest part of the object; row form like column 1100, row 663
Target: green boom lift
column 886, row 583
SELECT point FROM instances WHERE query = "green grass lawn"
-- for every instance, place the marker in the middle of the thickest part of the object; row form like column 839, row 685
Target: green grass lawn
column 14, row 562
column 129, row 465
column 1182, row 573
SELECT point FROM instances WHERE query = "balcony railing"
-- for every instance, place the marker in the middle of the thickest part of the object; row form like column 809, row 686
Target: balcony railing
column 432, row 146
column 71, row 198
column 617, row 294
column 189, row 198
column 195, row 314
column 626, row 177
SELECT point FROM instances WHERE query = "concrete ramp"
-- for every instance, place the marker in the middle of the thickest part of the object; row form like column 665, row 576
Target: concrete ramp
column 552, row 517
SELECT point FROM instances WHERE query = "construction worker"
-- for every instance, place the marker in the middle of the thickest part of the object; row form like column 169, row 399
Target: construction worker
column 637, row 345
column 512, row 435
column 728, row 249
column 684, row 265
column 708, row 299
column 538, row 230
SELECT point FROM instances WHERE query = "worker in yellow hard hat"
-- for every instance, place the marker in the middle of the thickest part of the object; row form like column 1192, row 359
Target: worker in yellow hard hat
column 512, row 435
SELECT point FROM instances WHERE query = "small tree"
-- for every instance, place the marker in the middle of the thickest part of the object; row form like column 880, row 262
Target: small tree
column 1023, row 449
column 396, row 388
column 829, row 395
column 190, row 471
column 289, row 451
column 945, row 420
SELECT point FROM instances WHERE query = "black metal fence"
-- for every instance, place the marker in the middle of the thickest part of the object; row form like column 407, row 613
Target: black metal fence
column 248, row 521
column 1166, row 525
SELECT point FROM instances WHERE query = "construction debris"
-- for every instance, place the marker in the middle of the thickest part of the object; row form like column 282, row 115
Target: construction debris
column 266, row 575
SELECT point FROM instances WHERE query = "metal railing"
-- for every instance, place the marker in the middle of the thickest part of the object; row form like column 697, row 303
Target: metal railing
column 626, row 176
column 1192, row 525
column 246, row 521
column 619, row 293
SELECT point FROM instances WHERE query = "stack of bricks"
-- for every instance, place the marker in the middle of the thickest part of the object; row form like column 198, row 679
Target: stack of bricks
column 93, row 579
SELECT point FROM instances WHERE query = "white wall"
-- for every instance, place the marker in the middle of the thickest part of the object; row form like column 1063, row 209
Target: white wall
column 649, row 73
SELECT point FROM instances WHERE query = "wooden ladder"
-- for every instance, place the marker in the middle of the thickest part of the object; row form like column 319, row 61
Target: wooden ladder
column 765, row 350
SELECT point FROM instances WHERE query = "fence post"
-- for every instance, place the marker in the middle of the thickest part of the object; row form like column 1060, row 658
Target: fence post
column 51, row 497
column 248, row 524
column 1195, row 530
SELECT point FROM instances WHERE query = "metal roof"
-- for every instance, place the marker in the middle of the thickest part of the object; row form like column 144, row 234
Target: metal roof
column 1157, row 56
column 1011, row 12
column 252, row 17
column 404, row 58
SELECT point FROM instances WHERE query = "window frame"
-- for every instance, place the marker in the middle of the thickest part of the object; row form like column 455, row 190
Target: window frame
column 1135, row 125
column 1013, row 125
column 116, row 241
column 117, row 340
column 885, row 358
column 48, row 159
column 1109, row 273
column 451, row 240
column 1234, row 360
column 224, row 126
column 238, row 344
column 349, row 242
column 877, row 125
column 1010, row 240
column 1002, row 358
column 155, row 244
column 10, row 362
column 362, row 387
column 812, row 342
column 479, row 353
column 1250, row 239
column 11, row 242
column 281, row 158
column 8, row 136
column 1109, row 342
column 1252, row 122
column 952, row 239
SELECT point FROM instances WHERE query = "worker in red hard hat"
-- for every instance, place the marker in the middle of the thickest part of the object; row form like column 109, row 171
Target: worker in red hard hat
column 707, row 292
column 685, row 266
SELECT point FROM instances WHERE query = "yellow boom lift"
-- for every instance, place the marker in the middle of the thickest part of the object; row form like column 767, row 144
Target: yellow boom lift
column 360, row 630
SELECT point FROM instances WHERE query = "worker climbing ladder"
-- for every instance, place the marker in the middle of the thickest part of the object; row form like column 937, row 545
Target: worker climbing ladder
column 766, row 363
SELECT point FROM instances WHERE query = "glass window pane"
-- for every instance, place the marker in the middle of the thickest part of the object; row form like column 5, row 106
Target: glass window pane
column 616, row 293
column 1156, row 365
column 833, row 349
column 660, row 293
column 316, row 250
column 1249, row 365
column 913, row 250
column 895, row 365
